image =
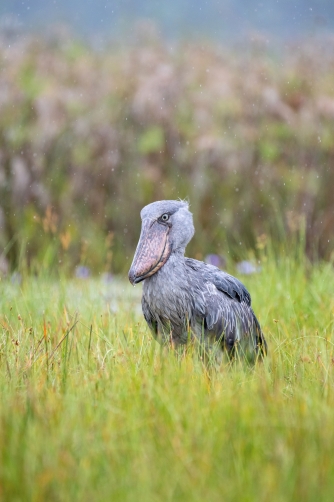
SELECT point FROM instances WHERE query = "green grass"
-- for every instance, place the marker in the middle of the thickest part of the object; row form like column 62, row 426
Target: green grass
column 92, row 409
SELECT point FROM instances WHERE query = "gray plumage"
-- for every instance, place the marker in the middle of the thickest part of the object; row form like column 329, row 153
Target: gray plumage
column 183, row 297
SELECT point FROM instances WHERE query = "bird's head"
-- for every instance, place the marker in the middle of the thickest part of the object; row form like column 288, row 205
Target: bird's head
column 167, row 227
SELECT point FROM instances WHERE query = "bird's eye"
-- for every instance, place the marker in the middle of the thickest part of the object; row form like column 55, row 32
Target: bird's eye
column 165, row 217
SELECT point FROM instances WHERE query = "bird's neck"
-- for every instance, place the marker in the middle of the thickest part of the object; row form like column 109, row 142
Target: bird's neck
column 171, row 272
column 178, row 254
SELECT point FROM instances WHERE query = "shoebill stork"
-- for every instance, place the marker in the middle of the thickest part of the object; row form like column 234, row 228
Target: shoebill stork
column 185, row 298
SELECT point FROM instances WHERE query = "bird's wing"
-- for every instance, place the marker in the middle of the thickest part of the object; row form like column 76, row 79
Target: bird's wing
column 224, row 282
column 230, row 286
column 228, row 308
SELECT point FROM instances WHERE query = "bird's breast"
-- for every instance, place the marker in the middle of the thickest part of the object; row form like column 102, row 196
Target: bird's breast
column 168, row 298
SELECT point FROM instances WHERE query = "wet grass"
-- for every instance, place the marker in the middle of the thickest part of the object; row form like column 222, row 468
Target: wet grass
column 92, row 409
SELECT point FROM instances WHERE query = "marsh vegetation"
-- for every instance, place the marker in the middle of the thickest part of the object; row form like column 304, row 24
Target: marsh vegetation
column 92, row 408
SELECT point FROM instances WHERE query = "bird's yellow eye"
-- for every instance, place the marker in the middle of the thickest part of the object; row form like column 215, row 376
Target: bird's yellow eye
column 165, row 217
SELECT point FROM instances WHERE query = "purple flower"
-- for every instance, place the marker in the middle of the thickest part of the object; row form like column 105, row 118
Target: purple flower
column 247, row 268
column 216, row 260
column 82, row 272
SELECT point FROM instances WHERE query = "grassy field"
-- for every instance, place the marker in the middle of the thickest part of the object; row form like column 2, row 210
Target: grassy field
column 93, row 410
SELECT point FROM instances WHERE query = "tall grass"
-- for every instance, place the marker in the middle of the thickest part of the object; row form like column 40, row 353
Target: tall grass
column 93, row 409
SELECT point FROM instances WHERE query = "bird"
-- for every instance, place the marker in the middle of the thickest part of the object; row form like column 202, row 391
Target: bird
column 184, row 299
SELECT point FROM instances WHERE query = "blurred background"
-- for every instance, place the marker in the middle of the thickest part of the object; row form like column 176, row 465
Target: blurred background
column 107, row 106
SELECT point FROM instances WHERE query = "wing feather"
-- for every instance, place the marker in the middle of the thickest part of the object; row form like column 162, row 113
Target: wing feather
column 227, row 305
column 224, row 282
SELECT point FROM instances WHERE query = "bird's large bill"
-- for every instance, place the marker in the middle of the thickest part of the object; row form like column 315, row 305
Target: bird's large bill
column 152, row 251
